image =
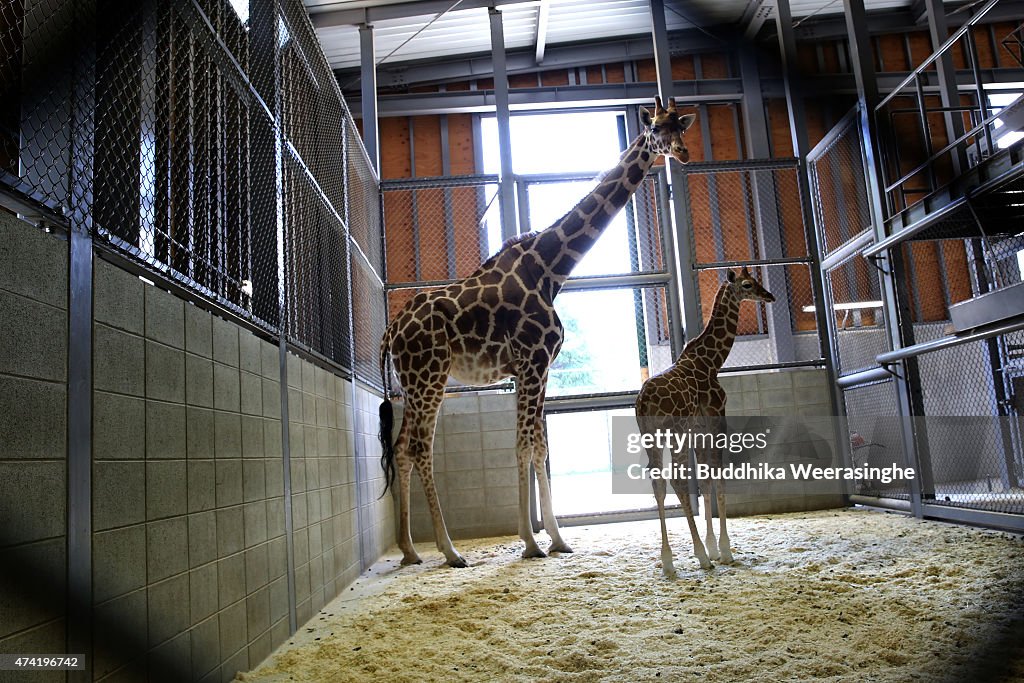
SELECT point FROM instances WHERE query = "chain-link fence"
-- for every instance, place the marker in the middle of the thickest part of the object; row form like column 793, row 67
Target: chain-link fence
column 876, row 436
column 835, row 170
column 962, row 399
column 219, row 154
column 749, row 213
column 976, row 463
column 439, row 229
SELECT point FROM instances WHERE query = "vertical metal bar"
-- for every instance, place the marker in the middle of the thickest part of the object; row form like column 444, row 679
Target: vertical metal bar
column 449, row 218
column 674, row 305
column 80, row 300
column 972, row 54
column 801, row 146
column 506, row 186
column 766, row 218
column 523, row 203
column 687, row 278
column 690, row 304
column 897, row 315
column 481, row 193
column 368, row 88
column 926, row 133
column 264, row 25
column 635, row 262
column 938, row 31
column 414, row 205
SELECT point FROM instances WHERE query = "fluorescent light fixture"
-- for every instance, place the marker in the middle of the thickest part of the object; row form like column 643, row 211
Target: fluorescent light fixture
column 851, row 306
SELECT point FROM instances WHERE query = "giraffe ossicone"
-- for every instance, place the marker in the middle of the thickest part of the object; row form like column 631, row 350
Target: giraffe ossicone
column 687, row 393
column 497, row 323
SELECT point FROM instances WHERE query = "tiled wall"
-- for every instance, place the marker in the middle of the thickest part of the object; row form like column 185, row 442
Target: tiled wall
column 474, row 468
column 33, row 435
column 475, row 465
column 189, row 550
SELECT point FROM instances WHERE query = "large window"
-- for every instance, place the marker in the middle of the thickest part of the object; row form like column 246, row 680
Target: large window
column 614, row 337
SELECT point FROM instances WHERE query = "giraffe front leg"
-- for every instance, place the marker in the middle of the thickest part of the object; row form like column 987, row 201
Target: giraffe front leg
column 723, row 535
column 683, row 493
column 668, row 568
column 540, row 457
column 527, row 411
column 710, row 542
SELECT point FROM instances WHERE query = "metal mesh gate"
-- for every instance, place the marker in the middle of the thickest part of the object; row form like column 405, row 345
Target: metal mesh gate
column 961, row 415
column 749, row 213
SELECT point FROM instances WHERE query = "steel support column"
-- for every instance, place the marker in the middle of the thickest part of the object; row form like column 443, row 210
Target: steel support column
column 368, row 87
column 690, row 314
column 506, row 184
column 938, row 31
column 264, row 26
column 80, row 299
column 768, row 221
column 801, row 146
column 890, row 263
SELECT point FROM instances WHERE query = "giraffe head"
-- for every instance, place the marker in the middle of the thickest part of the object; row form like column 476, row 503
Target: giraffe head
column 665, row 129
column 745, row 286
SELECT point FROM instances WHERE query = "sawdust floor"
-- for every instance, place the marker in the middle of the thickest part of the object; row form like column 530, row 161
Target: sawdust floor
column 838, row 595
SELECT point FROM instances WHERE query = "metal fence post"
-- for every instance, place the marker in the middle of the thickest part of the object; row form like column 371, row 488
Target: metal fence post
column 80, row 301
column 506, row 186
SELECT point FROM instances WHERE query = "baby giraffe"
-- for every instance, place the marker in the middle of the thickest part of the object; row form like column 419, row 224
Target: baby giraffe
column 690, row 393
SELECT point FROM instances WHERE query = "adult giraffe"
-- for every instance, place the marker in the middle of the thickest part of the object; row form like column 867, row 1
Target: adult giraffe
column 500, row 322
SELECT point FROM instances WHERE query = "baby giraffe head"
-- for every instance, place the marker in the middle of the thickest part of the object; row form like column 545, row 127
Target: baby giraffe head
column 665, row 129
column 745, row 286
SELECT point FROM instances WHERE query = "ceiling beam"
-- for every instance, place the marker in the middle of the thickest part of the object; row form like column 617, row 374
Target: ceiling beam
column 368, row 15
column 542, row 29
column 687, row 93
column 687, row 41
column 755, row 16
column 901, row 20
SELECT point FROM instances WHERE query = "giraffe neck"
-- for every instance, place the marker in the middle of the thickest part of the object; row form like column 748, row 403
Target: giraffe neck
column 561, row 246
column 714, row 343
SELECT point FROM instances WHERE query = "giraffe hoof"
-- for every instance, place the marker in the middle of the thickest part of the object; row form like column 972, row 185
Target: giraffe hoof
column 533, row 552
column 457, row 562
column 561, row 547
column 410, row 559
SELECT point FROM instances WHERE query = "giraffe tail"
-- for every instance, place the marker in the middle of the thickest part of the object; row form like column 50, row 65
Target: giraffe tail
column 387, row 418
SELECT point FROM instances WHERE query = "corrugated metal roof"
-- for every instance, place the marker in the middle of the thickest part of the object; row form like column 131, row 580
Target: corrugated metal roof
column 459, row 32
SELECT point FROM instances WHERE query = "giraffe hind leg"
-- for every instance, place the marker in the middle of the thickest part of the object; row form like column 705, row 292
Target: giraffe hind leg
column 540, row 458
column 423, row 401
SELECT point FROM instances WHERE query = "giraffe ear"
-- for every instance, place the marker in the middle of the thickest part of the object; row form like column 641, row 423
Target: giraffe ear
column 687, row 120
column 731, row 276
column 645, row 117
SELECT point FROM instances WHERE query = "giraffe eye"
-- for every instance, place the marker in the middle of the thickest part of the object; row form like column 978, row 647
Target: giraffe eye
column 654, row 128
column 746, row 284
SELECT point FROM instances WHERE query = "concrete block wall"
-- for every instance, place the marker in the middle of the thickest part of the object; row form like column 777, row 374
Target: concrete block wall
column 189, row 548
column 33, row 440
column 474, row 468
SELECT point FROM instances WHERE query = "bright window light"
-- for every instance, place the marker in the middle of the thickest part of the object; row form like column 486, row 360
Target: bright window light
column 999, row 100
column 241, row 8
column 849, row 306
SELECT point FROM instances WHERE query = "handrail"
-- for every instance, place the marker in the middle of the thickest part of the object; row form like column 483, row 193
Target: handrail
column 957, row 35
column 981, row 334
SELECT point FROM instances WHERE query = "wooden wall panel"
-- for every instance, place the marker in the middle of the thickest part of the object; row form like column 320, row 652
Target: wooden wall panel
column 721, row 126
column 646, row 72
column 553, row 78
column 395, row 161
column 893, row 53
column 715, row 66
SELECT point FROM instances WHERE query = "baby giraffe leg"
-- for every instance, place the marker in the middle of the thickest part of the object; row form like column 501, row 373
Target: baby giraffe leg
column 682, row 492
column 723, row 535
column 654, row 462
